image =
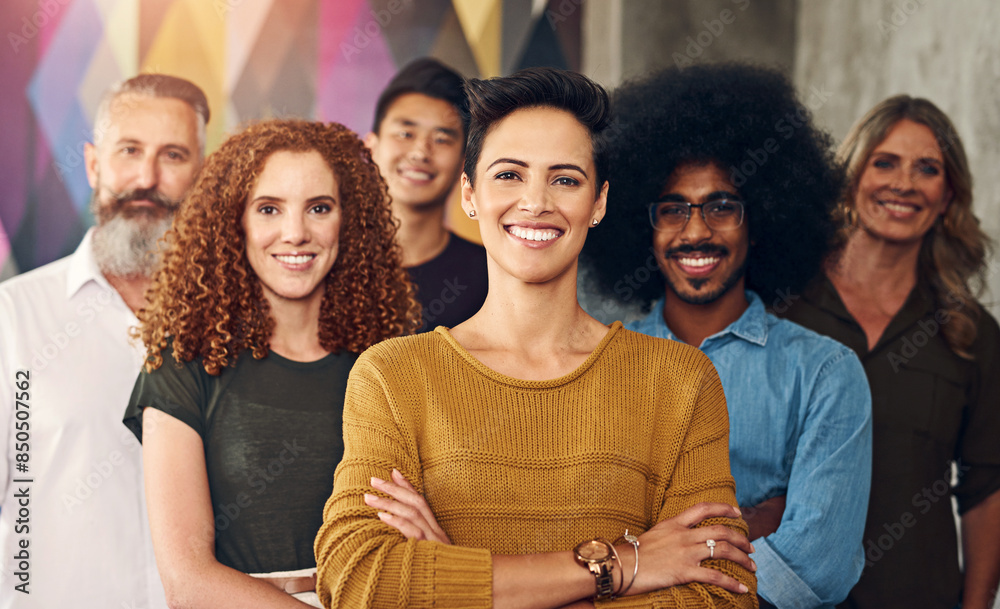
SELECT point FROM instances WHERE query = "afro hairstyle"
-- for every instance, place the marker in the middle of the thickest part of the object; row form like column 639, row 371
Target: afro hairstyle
column 747, row 120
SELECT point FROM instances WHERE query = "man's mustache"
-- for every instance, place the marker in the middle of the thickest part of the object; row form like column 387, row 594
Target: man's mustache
column 144, row 194
column 707, row 248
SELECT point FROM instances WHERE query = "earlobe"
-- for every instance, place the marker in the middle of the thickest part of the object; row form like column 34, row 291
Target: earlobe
column 601, row 204
column 90, row 163
column 371, row 141
column 467, row 193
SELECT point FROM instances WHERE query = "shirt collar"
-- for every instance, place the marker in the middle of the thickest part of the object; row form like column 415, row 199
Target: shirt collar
column 83, row 267
column 820, row 292
column 920, row 302
column 751, row 326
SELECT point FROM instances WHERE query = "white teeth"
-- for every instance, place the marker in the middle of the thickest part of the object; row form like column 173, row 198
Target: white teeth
column 417, row 175
column 898, row 208
column 697, row 261
column 531, row 234
column 300, row 259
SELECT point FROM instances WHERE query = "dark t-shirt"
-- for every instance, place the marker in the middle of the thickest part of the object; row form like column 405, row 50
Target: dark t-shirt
column 273, row 436
column 452, row 286
column 929, row 407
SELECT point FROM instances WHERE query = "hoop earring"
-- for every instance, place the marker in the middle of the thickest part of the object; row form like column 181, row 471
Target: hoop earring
column 851, row 217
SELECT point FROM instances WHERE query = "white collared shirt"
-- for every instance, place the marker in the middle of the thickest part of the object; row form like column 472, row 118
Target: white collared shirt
column 84, row 522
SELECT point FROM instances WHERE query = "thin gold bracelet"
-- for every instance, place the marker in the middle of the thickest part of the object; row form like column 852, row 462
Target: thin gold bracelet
column 632, row 539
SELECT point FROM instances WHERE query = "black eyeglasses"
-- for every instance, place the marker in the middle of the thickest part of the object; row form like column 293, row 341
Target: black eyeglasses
column 672, row 216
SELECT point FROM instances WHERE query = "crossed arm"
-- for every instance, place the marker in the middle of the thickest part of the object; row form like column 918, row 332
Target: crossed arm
column 363, row 558
column 671, row 553
column 813, row 554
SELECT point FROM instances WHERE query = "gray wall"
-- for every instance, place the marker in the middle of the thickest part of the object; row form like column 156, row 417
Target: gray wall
column 844, row 56
column 623, row 39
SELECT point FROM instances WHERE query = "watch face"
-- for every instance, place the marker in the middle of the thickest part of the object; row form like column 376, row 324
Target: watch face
column 593, row 550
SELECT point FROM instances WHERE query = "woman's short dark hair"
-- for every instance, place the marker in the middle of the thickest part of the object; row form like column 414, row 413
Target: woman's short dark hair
column 748, row 121
column 490, row 101
column 426, row 76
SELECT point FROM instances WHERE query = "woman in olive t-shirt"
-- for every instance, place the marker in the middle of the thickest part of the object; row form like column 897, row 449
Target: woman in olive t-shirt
column 281, row 268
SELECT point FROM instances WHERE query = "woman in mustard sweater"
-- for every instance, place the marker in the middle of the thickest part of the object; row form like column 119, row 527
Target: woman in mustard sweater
column 532, row 433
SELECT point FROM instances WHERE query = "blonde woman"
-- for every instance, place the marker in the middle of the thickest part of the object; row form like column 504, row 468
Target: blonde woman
column 899, row 290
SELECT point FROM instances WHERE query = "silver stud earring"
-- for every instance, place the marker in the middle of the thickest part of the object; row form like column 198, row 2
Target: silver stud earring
column 596, row 221
column 472, row 213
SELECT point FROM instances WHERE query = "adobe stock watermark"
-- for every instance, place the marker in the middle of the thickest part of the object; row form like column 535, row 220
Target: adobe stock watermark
column 783, row 299
column 372, row 29
column 453, row 289
column 60, row 338
column 102, row 470
column 702, row 40
column 562, row 12
column 611, row 135
column 627, row 286
column 927, row 329
column 31, row 25
column 224, row 7
column 258, row 478
column 900, row 15
column 785, row 127
column 875, row 548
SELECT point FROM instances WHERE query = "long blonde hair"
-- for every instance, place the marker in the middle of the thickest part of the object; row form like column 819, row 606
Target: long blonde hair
column 954, row 252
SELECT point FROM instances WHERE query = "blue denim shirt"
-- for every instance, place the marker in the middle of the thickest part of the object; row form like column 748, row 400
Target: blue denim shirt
column 799, row 425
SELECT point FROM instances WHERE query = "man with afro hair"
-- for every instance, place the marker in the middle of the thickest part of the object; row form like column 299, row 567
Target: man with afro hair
column 719, row 206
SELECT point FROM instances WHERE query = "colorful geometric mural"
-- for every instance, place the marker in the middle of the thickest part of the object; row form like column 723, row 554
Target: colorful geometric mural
column 321, row 59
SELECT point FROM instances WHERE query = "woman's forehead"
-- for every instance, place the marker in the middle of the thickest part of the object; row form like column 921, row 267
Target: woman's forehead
column 539, row 136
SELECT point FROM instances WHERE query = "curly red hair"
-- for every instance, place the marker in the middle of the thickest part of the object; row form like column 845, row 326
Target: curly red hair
column 206, row 300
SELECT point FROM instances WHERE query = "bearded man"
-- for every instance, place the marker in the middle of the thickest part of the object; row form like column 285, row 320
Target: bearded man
column 722, row 189
column 73, row 526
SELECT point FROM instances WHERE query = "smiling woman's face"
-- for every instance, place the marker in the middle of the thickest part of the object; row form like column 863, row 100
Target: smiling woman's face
column 292, row 225
column 535, row 196
column 903, row 188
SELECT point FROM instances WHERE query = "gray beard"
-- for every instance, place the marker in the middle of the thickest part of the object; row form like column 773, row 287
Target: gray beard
column 127, row 247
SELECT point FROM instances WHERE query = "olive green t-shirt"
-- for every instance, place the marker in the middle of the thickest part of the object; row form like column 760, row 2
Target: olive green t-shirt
column 272, row 432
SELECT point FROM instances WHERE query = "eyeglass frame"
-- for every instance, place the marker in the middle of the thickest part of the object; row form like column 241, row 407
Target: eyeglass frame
column 651, row 209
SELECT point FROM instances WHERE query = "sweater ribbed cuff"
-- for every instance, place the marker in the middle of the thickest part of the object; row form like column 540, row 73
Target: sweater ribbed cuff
column 458, row 577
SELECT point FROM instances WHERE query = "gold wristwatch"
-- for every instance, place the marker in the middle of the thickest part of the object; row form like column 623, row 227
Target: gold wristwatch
column 597, row 556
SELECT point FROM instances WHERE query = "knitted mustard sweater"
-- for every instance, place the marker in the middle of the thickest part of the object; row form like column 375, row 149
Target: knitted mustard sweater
column 635, row 435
